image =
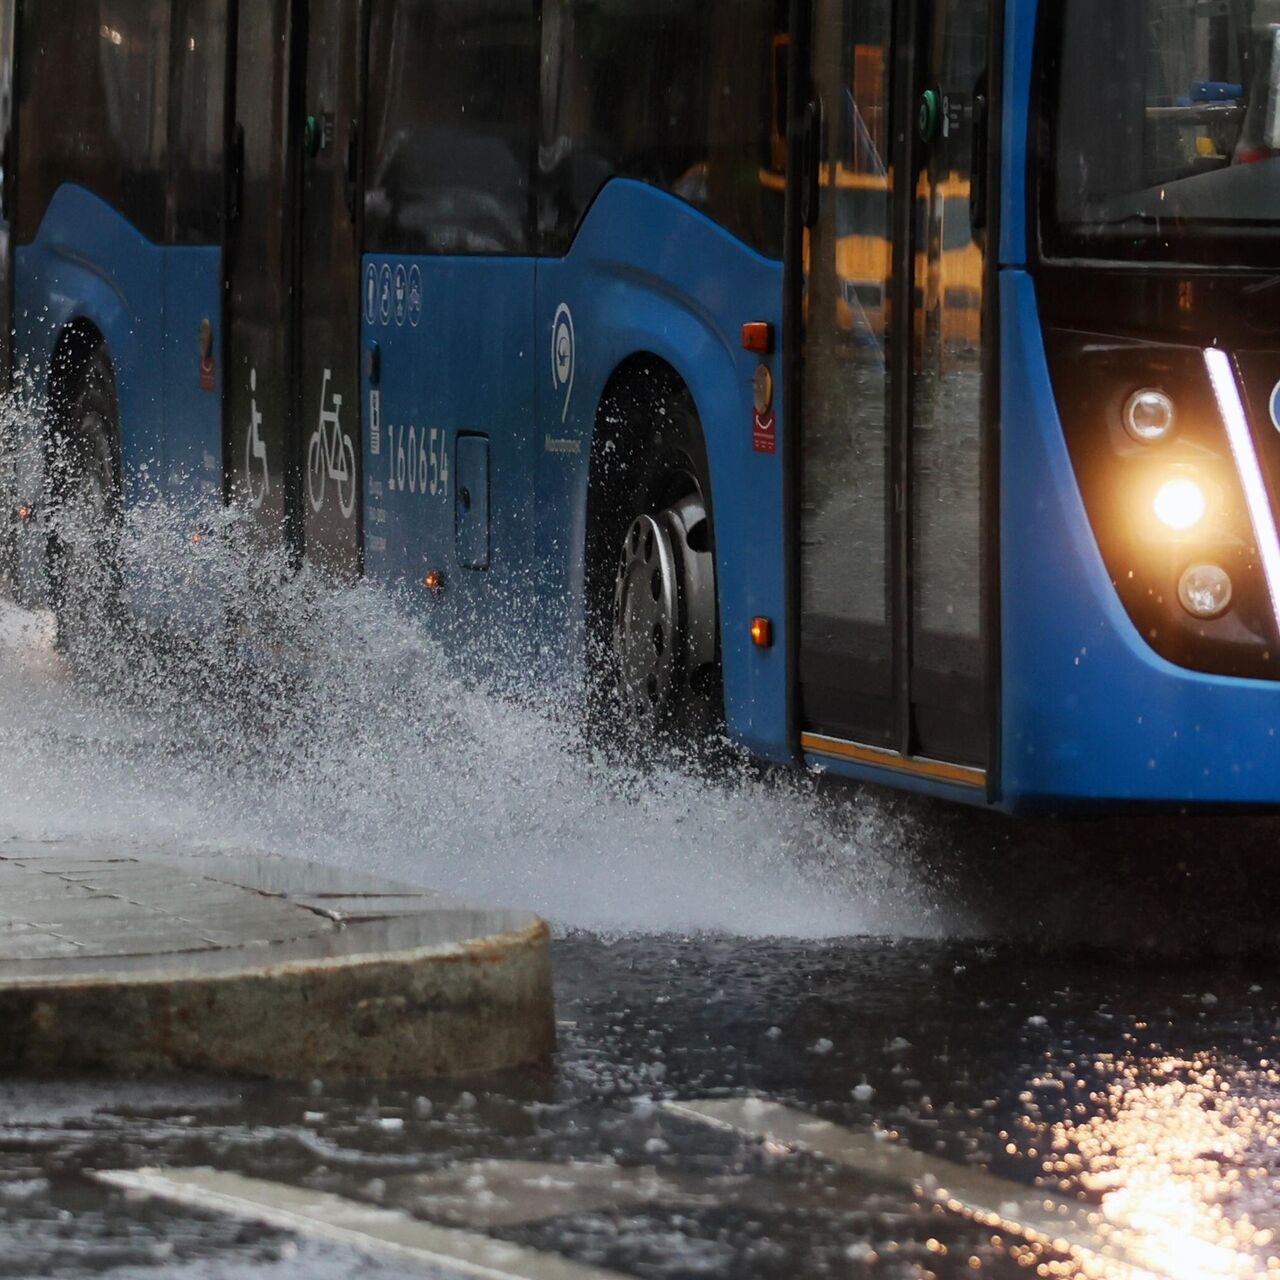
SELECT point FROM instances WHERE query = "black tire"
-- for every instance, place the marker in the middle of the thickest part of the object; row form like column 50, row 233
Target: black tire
column 651, row 484
column 85, row 512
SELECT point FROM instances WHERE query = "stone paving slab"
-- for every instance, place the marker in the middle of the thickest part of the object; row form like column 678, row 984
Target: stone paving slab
column 258, row 965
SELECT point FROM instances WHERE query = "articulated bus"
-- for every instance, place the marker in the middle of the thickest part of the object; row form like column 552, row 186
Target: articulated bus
column 901, row 378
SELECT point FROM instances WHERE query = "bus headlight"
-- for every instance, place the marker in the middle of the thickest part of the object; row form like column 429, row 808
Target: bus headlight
column 1180, row 503
column 1204, row 591
column 1149, row 415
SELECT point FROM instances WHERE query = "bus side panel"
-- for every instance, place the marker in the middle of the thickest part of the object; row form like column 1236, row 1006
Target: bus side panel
column 1091, row 712
column 452, row 336
column 192, row 393
column 88, row 263
column 1019, row 47
column 646, row 273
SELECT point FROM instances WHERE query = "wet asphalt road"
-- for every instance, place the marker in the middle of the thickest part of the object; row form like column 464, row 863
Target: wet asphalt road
column 1084, row 1010
column 1144, row 1087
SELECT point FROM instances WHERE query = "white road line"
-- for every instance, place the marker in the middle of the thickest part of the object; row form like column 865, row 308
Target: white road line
column 1007, row 1207
column 385, row 1232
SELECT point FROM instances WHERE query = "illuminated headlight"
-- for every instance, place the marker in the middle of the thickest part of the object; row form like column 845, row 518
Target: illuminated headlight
column 1180, row 503
column 1148, row 416
column 1205, row 591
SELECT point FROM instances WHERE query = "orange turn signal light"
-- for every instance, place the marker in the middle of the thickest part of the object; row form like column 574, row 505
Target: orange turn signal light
column 757, row 336
column 433, row 580
column 761, row 633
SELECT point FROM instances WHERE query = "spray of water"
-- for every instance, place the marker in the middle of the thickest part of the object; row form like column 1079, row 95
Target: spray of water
column 324, row 721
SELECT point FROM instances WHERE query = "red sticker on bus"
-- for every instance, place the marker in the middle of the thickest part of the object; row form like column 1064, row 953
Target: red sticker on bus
column 764, row 439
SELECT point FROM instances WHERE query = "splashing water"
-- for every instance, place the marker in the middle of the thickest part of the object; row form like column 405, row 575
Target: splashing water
column 365, row 747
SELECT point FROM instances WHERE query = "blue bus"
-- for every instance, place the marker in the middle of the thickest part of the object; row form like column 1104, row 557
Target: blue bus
column 897, row 379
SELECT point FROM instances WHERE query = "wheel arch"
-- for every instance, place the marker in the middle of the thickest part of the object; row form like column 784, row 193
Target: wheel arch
column 72, row 351
column 614, row 455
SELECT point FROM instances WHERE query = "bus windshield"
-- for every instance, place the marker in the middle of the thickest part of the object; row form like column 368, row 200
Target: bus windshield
column 1164, row 130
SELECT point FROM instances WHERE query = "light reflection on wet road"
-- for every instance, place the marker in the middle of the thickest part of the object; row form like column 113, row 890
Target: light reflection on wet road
column 1130, row 1089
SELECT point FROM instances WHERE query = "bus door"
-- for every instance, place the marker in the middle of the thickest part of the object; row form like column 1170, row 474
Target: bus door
column 329, row 287
column 264, row 459
column 890, row 308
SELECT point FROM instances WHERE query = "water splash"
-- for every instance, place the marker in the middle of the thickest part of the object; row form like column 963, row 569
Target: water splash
column 333, row 727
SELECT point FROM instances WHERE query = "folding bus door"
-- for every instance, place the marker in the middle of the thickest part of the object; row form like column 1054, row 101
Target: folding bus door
column 846, row 667
column 329, row 287
column 945, row 415
column 264, row 462
column 889, row 303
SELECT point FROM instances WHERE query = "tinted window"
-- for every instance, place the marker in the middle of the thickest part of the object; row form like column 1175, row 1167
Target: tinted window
column 199, row 56
column 94, row 107
column 1163, row 129
column 452, row 96
column 682, row 94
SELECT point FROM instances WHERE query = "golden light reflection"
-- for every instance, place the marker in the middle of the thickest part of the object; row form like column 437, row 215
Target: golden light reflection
column 1181, row 1158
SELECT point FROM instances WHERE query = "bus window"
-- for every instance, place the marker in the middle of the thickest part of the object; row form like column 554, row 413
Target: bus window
column 96, row 111
column 198, row 82
column 846, row 657
column 1170, row 149
column 451, row 108
column 684, row 95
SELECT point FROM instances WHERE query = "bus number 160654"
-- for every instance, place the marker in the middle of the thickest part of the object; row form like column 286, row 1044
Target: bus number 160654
column 418, row 460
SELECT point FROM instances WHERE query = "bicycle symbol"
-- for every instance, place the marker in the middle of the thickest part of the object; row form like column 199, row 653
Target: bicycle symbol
column 255, row 450
column 331, row 456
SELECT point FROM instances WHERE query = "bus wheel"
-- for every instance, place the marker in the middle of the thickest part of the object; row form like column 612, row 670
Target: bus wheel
column 84, row 535
column 664, row 618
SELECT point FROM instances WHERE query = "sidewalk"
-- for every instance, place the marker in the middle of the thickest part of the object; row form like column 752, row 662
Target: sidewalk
column 258, row 965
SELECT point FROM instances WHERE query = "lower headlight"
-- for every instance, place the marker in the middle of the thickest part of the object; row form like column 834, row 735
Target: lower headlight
column 1180, row 503
column 1204, row 591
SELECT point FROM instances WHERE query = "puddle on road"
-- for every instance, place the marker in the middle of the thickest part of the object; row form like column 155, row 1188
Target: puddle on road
column 1148, row 1111
column 374, row 752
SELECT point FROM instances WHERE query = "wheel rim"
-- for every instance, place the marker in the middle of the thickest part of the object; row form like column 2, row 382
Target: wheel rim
column 664, row 609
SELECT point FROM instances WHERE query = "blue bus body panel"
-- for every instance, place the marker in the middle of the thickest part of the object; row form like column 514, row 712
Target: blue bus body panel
column 647, row 273
column 1019, row 54
column 89, row 263
column 1090, row 711
column 457, row 361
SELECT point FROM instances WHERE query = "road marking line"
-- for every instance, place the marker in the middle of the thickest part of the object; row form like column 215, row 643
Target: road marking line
column 516, row 1192
column 1036, row 1217
column 364, row 1227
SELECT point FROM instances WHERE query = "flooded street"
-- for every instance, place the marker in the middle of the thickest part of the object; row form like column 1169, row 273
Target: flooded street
column 1044, row 1048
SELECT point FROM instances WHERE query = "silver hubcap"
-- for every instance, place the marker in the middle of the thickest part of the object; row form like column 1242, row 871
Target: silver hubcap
column 664, row 608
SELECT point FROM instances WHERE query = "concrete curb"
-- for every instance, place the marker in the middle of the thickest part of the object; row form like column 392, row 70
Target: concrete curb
column 332, row 976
